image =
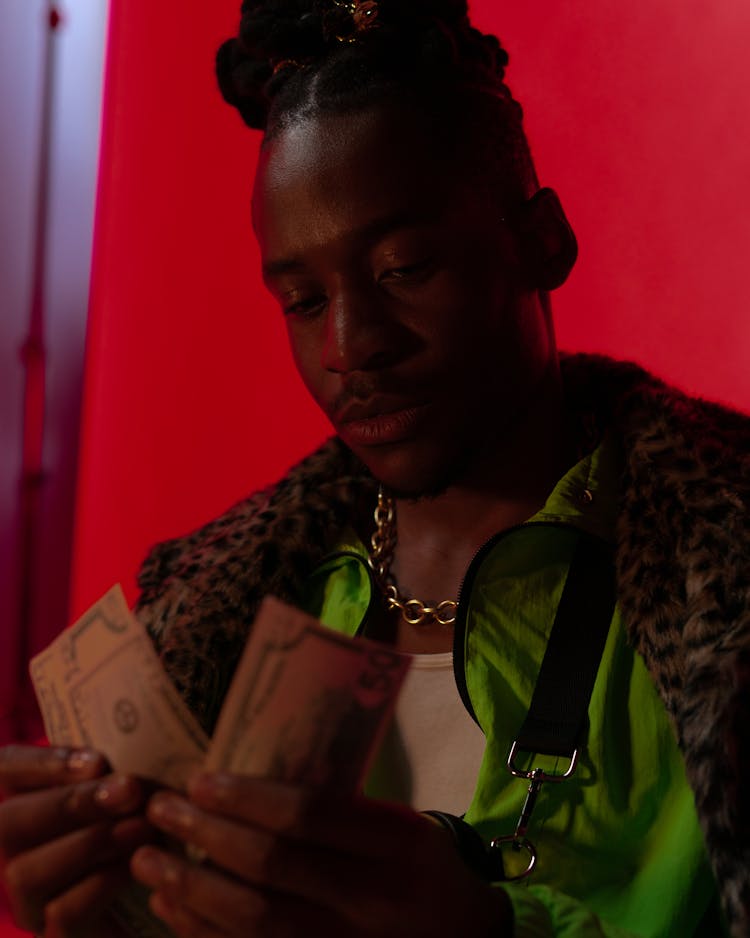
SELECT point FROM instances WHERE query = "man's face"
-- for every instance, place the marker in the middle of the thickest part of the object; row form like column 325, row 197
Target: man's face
column 403, row 294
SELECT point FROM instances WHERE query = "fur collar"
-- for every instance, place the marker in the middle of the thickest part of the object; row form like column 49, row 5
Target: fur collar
column 683, row 575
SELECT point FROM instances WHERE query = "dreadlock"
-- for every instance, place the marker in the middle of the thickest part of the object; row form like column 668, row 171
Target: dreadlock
column 293, row 59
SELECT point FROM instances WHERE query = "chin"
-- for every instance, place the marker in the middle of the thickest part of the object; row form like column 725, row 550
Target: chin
column 416, row 472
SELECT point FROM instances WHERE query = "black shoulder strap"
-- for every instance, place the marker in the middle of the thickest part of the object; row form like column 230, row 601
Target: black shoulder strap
column 558, row 714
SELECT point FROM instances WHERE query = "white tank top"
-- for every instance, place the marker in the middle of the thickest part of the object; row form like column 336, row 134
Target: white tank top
column 431, row 754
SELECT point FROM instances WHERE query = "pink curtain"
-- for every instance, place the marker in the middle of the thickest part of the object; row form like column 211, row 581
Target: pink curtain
column 49, row 126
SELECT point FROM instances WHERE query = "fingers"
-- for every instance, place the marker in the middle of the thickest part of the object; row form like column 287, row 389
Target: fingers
column 85, row 901
column 25, row 768
column 331, row 870
column 196, row 901
column 358, row 826
column 262, row 858
column 182, row 920
column 222, row 902
column 38, row 877
column 30, row 819
column 62, row 831
column 297, row 862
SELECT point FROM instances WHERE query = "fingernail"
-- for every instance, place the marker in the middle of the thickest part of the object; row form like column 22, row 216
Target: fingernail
column 114, row 791
column 83, row 761
column 172, row 812
column 209, row 786
column 154, row 868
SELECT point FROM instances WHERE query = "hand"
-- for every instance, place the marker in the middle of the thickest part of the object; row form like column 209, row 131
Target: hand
column 285, row 862
column 67, row 830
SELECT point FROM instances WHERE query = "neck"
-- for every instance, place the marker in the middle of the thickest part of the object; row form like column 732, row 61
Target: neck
column 438, row 536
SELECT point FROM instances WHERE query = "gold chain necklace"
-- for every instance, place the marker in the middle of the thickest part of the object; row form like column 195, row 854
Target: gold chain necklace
column 383, row 543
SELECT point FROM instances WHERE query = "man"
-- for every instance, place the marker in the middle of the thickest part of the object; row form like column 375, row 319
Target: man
column 403, row 233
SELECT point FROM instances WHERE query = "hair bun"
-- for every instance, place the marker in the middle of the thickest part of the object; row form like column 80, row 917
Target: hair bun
column 271, row 31
column 433, row 36
column 241, row 82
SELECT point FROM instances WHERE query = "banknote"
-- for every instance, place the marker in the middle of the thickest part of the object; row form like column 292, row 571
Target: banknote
column 100, row 684
column 306, row 704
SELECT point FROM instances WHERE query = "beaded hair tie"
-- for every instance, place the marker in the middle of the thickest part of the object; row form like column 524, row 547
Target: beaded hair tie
column 348, row 20
column 345, row 21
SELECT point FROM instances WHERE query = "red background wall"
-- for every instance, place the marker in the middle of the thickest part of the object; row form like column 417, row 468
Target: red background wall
column 637, row 113
column 638, row 116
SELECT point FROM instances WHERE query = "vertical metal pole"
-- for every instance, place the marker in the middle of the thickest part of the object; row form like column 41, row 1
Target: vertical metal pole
column 33, row 355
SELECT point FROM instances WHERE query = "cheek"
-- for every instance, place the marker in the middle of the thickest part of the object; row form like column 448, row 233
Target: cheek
column 306, row 353
column 469, row 317
column 302, row 354
column 507, row 311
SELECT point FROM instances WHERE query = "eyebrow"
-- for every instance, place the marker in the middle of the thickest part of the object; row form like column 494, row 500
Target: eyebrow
column 373, row 230
column 282, row 266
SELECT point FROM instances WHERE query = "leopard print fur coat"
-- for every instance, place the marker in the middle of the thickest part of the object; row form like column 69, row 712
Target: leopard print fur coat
column 683, row 579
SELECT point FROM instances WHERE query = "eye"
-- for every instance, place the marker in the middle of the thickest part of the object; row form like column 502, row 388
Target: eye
column 409, row 272
column 305, row 308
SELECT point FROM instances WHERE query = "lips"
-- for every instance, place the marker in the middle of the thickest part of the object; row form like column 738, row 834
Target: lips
column 376, row 423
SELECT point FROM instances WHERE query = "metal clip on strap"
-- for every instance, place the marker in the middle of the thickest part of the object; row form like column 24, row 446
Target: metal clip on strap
column 557, row 720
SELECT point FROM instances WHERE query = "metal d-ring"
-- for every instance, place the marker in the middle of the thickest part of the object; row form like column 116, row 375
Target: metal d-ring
column 517, row 844
column 538, row 773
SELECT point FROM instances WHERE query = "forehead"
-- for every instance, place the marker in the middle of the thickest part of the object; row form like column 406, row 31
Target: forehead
column 329, row 174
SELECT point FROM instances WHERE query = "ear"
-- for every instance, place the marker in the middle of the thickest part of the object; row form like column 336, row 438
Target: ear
column 547, row 242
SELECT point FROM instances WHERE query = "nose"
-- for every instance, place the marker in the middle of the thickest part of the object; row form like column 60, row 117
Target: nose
column 361, row 332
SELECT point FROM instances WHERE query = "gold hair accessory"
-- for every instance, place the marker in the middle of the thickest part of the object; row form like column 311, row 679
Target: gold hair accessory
column 364, row 17
column 383, row 543
column 286, row 63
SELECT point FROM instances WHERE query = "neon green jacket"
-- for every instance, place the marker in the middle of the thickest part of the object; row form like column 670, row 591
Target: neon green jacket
column 619, row 848
column 682, row 542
